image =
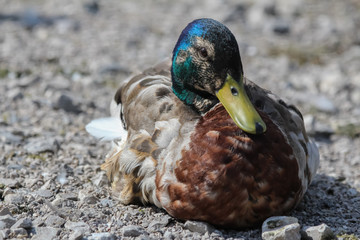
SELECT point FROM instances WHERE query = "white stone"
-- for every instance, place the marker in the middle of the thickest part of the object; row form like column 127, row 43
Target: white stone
column 281, row 228
column 319, row 232
column 199, row 227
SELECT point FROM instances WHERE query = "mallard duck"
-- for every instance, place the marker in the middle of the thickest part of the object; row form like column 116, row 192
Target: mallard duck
column 193, row 136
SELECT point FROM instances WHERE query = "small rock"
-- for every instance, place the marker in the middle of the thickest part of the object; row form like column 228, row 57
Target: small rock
column 66, row 103
column 44, row 193
column 157, row 224
column 76, row 235
column 127, row 217
column 319, row 232
column 59, row 83
column 11, row 183
column 199, row 227
column 281, row 228
column 281, row 27
column 27, row 81
column 324, row 104
column 22, row 223
column 106, row 202
column 352, row 192
column 7, row 191
column 4, row 234
column 38, row 222
column 6, row 221
column 315, row 127
column 5, row 211
column 54, row 221
column 41, row 145
column 92, row 7
column 101, row 236
column 100, row 179
column 86, row 197
column 90, row 200
column 15, row 94
column 19, row 232
column 14, row 198
column 78, row 226
column 68, row 196
column 44, row 233
column 114, row 69
column 216, row 234
column 133, row 231
column 9, row 138
column 169, row 235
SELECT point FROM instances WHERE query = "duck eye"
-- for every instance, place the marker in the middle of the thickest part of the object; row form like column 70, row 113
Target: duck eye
column 203, row 52
column 234, row 91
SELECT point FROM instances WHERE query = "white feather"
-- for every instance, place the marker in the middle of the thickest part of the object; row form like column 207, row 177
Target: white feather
column 107, row 129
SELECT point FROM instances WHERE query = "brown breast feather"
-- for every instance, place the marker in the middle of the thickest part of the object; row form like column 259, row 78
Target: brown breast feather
column 233, row 179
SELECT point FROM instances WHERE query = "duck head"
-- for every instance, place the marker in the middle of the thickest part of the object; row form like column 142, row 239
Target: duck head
column 206, row 68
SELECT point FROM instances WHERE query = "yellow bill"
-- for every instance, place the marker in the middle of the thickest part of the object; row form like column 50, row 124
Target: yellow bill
column 233, row 97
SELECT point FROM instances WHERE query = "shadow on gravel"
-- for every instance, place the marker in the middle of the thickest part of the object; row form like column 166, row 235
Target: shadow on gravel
column 330, row 201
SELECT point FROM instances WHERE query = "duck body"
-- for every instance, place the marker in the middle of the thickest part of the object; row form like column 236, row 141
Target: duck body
column 183, row 151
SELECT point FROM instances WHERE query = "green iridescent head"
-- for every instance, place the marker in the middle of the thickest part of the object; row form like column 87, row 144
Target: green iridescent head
column 206, row 59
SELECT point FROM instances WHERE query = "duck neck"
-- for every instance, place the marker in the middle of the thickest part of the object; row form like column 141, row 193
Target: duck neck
column 199, row 101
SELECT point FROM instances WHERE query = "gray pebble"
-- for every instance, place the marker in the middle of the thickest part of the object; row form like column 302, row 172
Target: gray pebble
column 133, row 231
column 7, row 191
column 101, row 236
column 60, row 83
column 22, row 223
column 324, row 104
column 19, row 232
column 14, row 198
column 315, row 127
column 169, row 235
column 78, row 226
column 4, row 234
column 27, row 81
column 10, row 138
column 6, row 221
column 281, row 228
column 319, row 232
column 281, row 27
column 41, row 145
column 86, row 197
column 158, row 224
column 106, row 202
column 15, row 94
column 127, row 217
column 54, row 221
column 76, row 235
column 352, row 192
column 100, row 179
column 199, row 227
column 44, row 193
column 90, row 200
column 38, row 222
column 5, row 211
column 8, row 182
column 114, row 69
column 66, row 103
column 68, row 196
column 45, row 233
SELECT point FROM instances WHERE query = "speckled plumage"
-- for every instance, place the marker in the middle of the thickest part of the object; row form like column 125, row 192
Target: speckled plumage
column 201, row 165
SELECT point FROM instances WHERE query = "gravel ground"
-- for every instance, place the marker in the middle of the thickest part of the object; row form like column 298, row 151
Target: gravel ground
column 60, row 64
